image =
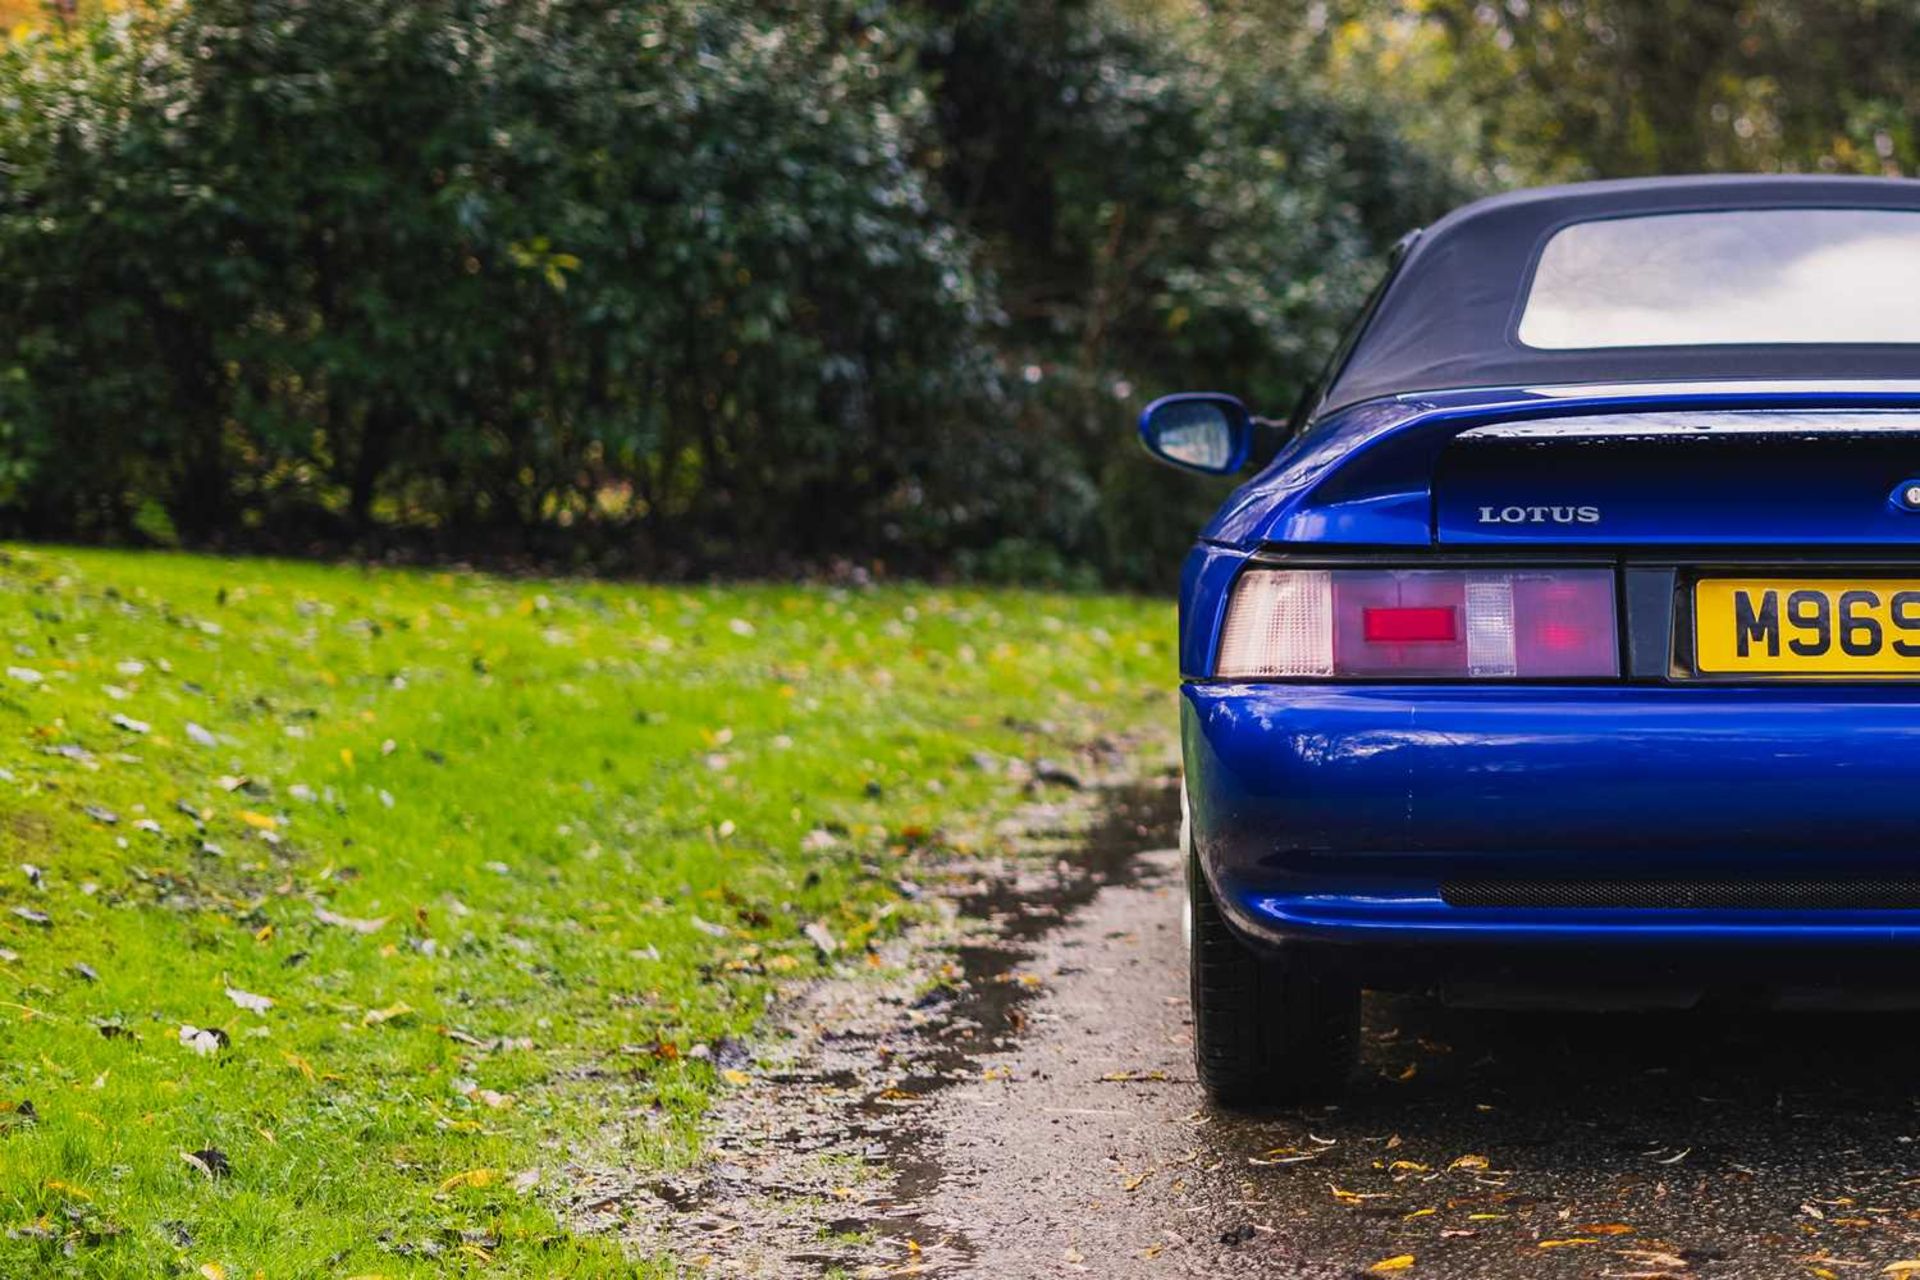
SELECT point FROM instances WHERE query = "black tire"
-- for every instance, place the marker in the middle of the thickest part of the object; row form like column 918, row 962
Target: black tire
column 1267, row 1031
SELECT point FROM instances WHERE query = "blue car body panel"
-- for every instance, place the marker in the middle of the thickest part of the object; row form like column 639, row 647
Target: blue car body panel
column 1335, row 813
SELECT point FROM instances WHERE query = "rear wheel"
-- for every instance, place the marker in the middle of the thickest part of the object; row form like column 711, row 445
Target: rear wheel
column 1267, row 1031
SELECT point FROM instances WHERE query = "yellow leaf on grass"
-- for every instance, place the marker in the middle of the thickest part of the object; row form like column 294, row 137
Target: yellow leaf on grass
column 67, row 1188
column 735, row 1077
column 299, row 1064
column 1399, row 1262
column 475, row 1178
column 213, row 1271
column 374, row 1017
column 258, row 821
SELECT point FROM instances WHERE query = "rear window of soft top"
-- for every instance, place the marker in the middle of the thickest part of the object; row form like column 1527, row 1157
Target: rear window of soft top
column 1732, row 277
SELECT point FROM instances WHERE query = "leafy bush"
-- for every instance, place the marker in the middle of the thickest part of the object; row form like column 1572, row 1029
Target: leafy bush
column 663, row 285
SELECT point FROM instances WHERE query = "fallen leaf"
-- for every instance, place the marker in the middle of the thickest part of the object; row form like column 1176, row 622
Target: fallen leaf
column 1604, row 1229
column 1469, row 1162
column 213, row 1271
column 204, row 1041
column 736, row 1078
column 475, row 1178
column 211, row 1161
column 1572, row 1240
column 1904, row 1267
column 325, row 916
column 1135, row 1182
column 393, row 1012
column 1399, row 1262
column 258, row 821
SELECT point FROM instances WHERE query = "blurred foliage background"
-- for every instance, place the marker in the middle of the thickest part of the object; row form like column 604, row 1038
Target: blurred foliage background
column 763, row 286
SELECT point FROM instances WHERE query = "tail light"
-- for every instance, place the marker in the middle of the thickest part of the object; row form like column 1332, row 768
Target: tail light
column 1447, row 623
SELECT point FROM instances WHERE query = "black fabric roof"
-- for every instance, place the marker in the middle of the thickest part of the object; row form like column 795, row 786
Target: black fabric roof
column 1447, row 317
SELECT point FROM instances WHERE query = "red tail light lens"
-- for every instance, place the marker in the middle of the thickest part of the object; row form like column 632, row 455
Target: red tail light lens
column 1446, row 623
column 1410, row 624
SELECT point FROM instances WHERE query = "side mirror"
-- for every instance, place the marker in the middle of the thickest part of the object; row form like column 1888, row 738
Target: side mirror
column 1198, row 431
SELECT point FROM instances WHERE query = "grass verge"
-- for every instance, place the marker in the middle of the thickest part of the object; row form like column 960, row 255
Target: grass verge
column 320, row 888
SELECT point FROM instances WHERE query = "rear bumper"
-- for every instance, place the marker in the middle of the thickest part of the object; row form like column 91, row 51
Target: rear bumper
column 1336, row 814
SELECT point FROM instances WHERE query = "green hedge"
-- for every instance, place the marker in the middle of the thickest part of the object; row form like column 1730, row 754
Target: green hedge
column 665, row 285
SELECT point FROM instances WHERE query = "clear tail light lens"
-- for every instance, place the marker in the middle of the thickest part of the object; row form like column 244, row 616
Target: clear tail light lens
column 1449, row 623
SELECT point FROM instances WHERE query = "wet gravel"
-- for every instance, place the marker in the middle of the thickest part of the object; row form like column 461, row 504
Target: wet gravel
column 1040, row 1118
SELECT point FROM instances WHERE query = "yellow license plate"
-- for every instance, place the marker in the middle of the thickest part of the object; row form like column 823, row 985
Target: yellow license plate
column 1807, row 626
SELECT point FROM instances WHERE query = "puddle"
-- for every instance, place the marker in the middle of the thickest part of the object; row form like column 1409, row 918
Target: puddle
column 826, row 1161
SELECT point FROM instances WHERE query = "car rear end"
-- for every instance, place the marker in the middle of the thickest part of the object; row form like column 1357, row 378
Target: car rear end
column 1649, row 730
column 1666, row 702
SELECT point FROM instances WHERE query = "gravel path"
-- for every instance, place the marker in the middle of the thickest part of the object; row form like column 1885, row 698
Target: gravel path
column 1044, row 1121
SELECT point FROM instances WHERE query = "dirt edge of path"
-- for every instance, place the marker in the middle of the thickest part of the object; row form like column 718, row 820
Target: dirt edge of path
column 824, row 1163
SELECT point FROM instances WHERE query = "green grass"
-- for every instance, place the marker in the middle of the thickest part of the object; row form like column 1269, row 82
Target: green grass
column 592, row 822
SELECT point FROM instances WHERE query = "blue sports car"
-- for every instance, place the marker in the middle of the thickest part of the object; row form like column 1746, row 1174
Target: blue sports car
column 1566, row 644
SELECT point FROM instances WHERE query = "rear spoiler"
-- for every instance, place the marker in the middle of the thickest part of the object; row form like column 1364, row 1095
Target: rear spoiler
column 1364, row 475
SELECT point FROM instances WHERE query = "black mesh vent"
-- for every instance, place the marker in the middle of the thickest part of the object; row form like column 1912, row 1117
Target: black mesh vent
column 1878, row 893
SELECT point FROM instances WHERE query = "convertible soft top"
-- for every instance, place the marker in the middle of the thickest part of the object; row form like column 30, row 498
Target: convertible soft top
column 1451, row 315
